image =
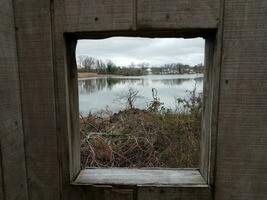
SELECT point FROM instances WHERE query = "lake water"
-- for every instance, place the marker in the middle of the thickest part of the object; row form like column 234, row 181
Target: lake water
column 98, row 93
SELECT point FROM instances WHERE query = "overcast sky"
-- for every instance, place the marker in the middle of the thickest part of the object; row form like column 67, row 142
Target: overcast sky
column 125, row 50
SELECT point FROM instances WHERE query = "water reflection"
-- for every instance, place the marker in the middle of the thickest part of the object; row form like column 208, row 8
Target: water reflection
column 92, row 85
column 172, row 81
column 98, row 92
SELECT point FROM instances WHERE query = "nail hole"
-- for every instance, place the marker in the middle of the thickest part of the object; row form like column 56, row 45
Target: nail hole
column 167, row 16
column 226, row 81
column 96, row 18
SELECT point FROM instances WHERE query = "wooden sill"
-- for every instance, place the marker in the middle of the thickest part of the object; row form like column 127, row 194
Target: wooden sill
column 141, row 177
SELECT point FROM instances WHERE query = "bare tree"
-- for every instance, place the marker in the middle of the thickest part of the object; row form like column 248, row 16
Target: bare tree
column 155, row 105
column 80, row 60
column 132, row 65
column 130, row 98
column 88, row 63
column 143, row 65
column 111, row 67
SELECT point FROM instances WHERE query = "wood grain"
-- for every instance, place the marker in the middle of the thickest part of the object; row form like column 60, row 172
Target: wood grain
column 45, row 71
column 172, row 193
column 190, row 14
column 13, row 172
column 119, row 194
column 2, row 186
column 34, row 42
column 124, row 176
column 242, row 141
column 94, row 15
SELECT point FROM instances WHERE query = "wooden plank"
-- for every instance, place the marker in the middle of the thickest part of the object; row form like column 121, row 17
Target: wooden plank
column 93, row 15
column 81, row 17
column 205, row 142
column 211, row 103
column 67, row 114
column 190, row 14
column 2, row 187
column 13, row 183
column 119, row 194
column 124, row 176
column 169, row 193
column 242, row 141
column 33, row 21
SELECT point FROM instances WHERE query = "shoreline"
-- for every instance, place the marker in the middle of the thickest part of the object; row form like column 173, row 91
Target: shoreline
column 82, row 75
column 90, row 75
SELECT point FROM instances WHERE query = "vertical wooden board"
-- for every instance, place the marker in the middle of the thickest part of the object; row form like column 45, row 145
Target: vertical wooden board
column 173, row 14
column 101, row 192
column 95, row 192
column 164, row 193
column 77, row 16
column 95, row 15
column 119, row 194
column 87, row 192
column 33, row 21
column 1, row 177
column 242, row 141
column 211, row 93
column 207, row 109
column 13, row 163
column 13, row 183
column 67, row 132
column 72, row 193
column 69, row 138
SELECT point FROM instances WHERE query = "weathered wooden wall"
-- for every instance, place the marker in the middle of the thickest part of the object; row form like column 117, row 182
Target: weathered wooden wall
column 12, row 157
column 36, row 97
column 241, row 169
column 114, row 16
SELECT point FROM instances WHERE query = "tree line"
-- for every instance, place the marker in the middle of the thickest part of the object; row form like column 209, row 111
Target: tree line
column 93, row 65
column 177, row 68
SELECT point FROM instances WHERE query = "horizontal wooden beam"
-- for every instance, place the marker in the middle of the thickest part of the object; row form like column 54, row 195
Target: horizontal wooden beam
column 141, row 177
column 173, row 14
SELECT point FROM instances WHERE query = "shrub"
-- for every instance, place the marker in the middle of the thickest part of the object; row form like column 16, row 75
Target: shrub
column 144, row 138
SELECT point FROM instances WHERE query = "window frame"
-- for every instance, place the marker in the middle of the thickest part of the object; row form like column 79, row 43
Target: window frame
column 210, row 97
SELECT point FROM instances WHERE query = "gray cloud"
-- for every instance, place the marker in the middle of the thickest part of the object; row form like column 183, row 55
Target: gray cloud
column 156, row 51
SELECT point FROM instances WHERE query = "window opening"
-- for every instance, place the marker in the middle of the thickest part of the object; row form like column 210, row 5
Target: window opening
column 140, row 101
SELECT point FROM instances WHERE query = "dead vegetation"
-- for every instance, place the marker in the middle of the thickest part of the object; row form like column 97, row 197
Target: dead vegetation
column 155, row 137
